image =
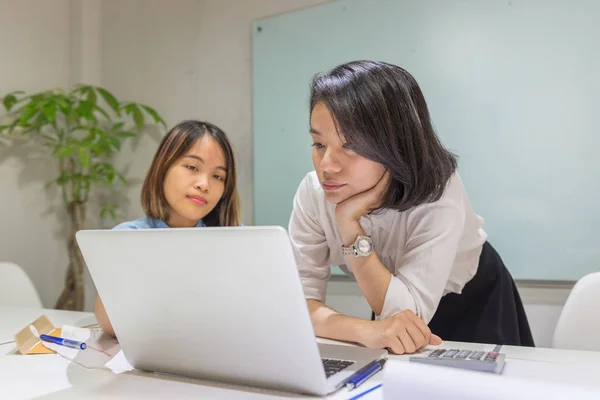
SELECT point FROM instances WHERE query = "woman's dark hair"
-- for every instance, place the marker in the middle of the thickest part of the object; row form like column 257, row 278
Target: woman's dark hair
column 175, row 145
column 381, row 112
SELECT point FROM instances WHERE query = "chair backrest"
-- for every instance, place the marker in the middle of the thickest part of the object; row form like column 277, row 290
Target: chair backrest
column 578, row 327
column 16, row 289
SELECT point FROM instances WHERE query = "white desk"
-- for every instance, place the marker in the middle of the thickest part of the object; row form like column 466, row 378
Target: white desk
column 53, row 377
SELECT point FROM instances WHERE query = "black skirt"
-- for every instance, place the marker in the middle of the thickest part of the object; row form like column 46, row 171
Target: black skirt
column 489, row 309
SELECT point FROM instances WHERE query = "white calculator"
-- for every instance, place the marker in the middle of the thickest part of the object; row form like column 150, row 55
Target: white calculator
column 484, row 361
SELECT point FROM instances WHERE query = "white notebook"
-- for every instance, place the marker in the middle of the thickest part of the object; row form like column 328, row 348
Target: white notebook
column 404, row 380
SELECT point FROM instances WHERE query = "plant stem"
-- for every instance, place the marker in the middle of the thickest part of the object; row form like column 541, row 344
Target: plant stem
column 72, row 296
column 62, row 187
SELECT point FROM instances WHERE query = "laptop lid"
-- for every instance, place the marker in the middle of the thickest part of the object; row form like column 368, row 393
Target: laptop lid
column 217, row 303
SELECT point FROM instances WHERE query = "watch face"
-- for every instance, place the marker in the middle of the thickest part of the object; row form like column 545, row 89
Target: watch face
column 364, row 246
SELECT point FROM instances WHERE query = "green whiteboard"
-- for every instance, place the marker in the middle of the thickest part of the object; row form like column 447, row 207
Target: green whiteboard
column 513, row 88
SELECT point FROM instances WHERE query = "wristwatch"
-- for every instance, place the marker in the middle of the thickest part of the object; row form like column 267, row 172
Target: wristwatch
column 362, row 247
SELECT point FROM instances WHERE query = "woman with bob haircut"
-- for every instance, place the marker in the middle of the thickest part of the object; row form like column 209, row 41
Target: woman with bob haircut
column 386, row 204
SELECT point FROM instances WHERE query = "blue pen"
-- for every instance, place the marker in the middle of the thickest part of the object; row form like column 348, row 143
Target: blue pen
column 365, row 374
column 358, row 396
column 74, row 344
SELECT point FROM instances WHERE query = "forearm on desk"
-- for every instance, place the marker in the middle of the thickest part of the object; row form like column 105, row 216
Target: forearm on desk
column 330, row 324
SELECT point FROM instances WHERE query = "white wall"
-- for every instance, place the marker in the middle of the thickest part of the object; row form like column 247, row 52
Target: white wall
column 35, row 51
column 187, row 58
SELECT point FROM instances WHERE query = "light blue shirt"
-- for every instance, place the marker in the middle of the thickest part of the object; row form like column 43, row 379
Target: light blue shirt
column 148, row 223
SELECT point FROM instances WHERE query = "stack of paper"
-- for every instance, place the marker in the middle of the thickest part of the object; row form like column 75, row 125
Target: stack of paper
column 405, row 380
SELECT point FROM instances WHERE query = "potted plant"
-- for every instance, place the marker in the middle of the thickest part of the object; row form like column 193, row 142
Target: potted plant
column 81, row 130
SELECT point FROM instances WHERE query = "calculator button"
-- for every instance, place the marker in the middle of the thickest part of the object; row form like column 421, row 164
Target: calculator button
column 476, row 355
column 463, row 354
column 450, row 353
column 437, row 353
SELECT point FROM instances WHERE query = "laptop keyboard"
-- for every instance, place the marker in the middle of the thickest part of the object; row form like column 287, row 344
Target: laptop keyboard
column 334, row 366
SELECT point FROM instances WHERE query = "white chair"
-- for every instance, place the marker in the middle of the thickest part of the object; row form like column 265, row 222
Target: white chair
column 16, row 289
column 578, row 327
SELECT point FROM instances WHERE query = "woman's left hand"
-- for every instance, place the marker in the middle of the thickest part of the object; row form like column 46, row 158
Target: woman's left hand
column 349, row 211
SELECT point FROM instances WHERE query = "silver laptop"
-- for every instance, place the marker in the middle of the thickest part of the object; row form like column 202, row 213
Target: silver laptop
column 222, row 304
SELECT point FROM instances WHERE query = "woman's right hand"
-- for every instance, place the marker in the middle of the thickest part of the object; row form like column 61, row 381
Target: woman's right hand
column 402, row 333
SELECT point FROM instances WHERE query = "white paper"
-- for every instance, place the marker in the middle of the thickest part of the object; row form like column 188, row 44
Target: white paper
column 119, row 364
column 101, row 348
column 406, row 380
column 64, row 351
column 72, row 333
column 581, row 374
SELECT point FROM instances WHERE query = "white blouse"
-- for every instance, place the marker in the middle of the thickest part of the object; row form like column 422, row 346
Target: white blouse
column 431, row 249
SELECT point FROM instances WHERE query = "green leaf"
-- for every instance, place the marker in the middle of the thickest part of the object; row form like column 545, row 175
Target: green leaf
column 100, row 147
column 114, row 142
column 154, row 114
column 65, row 151
column 110, row 173
column 61, row 100
column 86, row 183
column 85, row 110
column 39, row 97
column 91, row 95
column 109, row 99
column 72, row 116
column 64, row 178
column 117, row 126
column 108, row 209
column 94, row 172
column 134, row 111
column 138, row 118
column 9, row 100
column 79, row 88
column 12, row 126
column 65, row 104
column 103, row 172
column 95, row 132
column 50, row 111
column 28, row 112
column 84, row 156
column 121, row 177
column 101, row 111
column 81, row 128
column 106, row 171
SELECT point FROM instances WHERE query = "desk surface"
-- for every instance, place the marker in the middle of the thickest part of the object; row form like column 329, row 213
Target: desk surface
column 53, row 377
